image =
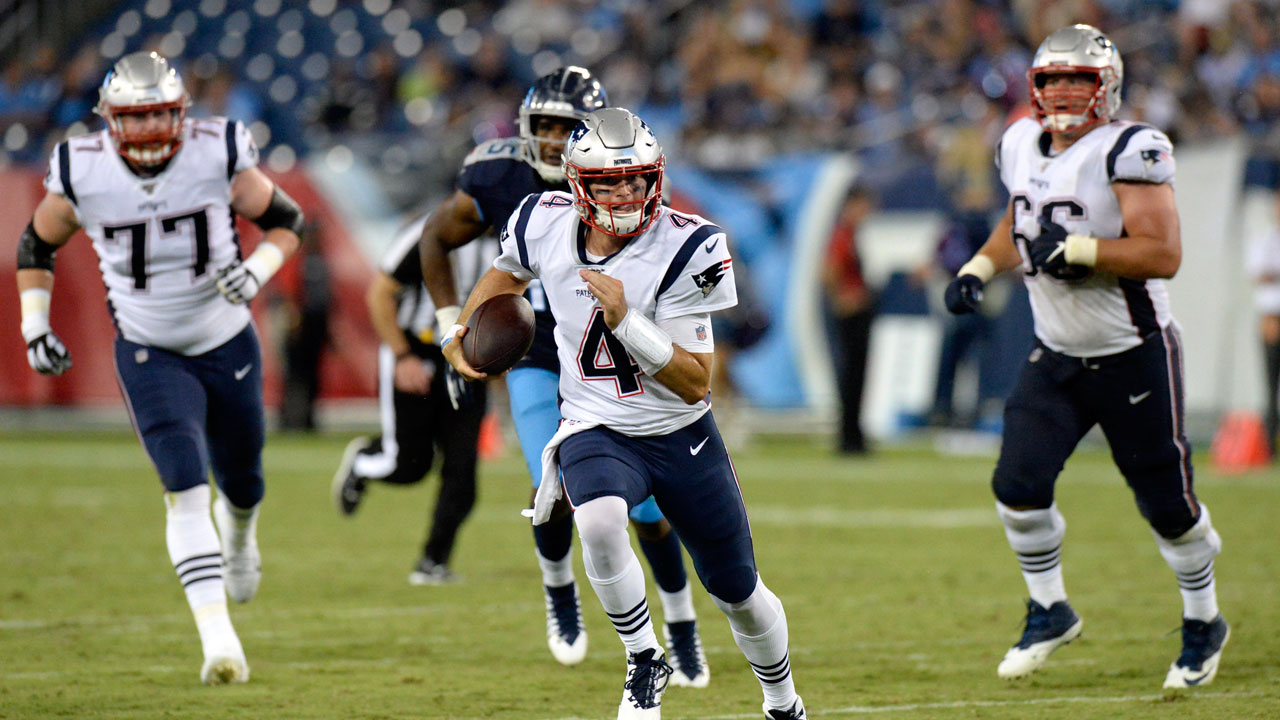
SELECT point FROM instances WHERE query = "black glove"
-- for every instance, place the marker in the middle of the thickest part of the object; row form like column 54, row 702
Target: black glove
column 1049, row 253
column 460, row 391
column 964, row 294
column 47, row 355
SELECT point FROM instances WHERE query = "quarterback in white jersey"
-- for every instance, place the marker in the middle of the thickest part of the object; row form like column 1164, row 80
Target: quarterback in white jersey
column 680, row 274
column 1092, row 224
column 632, row 285
column 158, row 195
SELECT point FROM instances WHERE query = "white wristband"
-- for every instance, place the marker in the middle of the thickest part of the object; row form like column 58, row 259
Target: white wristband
column 980, row 266
column 447, row 316
column 265, row 261
column 648, row 344
column 35, row 313
column 450, row 334
column 1081, row 250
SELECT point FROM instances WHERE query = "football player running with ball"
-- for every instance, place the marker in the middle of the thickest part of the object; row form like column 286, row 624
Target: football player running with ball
column 1092, row 223
column 495, row 177
column 158, row 195
column 632, row 285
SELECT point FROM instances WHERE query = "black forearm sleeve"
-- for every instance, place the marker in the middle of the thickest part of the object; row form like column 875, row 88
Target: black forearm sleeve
column 283, row 212
column 33, row 252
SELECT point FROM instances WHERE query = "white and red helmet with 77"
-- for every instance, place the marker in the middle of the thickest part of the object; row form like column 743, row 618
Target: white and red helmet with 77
column 138, row 84
column 1076, row 50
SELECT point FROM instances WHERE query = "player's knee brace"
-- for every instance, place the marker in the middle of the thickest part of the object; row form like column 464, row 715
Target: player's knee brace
column 729, row 583
column 754, row 616
column 1192, row 549
column 1032, row 531
column 602, row 526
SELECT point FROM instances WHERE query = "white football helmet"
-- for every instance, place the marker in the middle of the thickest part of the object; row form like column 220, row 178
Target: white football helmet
column 143, row 82
column 610, row 145
column 1076, row 49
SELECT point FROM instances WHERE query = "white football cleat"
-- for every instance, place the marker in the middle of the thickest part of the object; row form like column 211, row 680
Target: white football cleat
column 647, row 677
column 241, row 561
column 225, row 665
column 1046, row 631
column 566, row 637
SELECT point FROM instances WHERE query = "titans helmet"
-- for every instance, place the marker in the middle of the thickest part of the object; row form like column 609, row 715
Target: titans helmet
column 609, row 146
column 571, row 93
column 1076, row 49
column 143, row 82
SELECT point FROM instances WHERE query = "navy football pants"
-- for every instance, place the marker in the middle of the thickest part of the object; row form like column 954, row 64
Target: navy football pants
column 1137, row 398
column 690, row 475
column 194, row 413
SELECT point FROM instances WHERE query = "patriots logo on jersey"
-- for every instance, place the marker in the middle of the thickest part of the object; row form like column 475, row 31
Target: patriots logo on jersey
column 708, row 279
column 1151, row 157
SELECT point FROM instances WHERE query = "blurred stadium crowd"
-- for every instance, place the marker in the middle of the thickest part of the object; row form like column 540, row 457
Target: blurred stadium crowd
column 918, row 90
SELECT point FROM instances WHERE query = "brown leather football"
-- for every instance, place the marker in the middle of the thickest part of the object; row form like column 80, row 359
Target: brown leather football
column 499, row 333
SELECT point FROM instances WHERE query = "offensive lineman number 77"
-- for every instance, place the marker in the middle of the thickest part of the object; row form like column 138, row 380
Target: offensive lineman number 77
column 197, row 224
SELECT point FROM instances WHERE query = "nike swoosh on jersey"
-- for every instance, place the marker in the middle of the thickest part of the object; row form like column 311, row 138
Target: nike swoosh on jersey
column 712, row 245
column 243, row 371
column 695, row 450
column 1135, row 399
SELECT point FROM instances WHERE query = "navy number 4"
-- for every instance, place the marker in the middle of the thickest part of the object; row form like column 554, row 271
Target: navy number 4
column 602, row 357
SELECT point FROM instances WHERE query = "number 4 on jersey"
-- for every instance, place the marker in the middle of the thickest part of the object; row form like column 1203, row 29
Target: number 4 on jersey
column 602, row 357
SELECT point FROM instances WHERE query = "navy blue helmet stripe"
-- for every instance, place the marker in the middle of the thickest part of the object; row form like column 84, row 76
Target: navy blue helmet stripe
column 232, row 152
column 522, row 223
column 1121, row 143
column 64, row 171
column 682, row 257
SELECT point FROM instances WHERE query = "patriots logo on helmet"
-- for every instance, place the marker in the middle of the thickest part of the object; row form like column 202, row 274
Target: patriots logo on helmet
column 708, row 279
column 1151, row 157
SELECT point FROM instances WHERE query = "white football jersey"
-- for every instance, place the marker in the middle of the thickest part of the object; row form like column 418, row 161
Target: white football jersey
column 1102, row 314
column 161, row 240
column 680, row 266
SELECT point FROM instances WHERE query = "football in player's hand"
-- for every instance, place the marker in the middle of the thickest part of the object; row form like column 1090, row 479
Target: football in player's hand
column 499, row 333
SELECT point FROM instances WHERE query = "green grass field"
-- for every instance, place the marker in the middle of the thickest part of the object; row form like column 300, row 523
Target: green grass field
column 900, row 590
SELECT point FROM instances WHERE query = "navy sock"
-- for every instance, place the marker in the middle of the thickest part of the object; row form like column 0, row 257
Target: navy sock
column 554, row 537
column 667, row 562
